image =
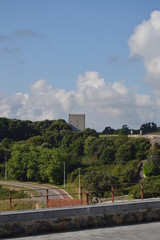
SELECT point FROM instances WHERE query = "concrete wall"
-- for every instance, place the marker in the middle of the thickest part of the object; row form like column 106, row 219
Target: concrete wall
column 77, row 122
column 91, row 216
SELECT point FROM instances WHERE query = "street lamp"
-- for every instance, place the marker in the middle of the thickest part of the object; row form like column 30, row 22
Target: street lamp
column 64, row 174
column 5, row 168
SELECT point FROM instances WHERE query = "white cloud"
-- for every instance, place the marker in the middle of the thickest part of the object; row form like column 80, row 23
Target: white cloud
column 145, row 43
column 39, row 86
column 119, row 88
column 91, row 80
column 144, row 100
column 104, row 104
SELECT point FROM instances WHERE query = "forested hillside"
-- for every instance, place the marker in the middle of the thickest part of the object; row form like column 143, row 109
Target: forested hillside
column 36, row 151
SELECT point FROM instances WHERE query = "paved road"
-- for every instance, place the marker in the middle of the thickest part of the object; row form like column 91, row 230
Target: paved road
column 53, row 192
column 147, row 231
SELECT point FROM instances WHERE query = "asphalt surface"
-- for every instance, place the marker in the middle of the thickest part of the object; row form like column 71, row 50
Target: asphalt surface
column 53, row 192
column 147, row 231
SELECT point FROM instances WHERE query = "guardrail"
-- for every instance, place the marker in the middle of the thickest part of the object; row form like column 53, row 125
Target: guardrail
column 116, row 186
column 55, row 197
column 51, row 197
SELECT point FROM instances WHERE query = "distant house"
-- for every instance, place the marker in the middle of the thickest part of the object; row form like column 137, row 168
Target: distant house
column 77, row 122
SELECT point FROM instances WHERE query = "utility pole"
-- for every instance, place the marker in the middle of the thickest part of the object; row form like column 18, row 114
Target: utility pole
column 64, row 175
column 79, row 183
column 5, row 168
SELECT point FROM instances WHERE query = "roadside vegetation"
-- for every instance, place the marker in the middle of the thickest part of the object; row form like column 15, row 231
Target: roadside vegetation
column 21, row 198
column 20, row 205
column 37, row 151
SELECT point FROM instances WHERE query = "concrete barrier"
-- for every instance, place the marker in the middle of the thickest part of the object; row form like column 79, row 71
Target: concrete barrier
column 19, row 223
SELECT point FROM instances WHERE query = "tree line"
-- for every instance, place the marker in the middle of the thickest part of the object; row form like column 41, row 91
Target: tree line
column 36, row 151
column 145, row 128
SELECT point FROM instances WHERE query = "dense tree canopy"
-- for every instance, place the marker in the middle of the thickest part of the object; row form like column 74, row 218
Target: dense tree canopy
column 152, row 164
column 36, row 151
column 148, row 127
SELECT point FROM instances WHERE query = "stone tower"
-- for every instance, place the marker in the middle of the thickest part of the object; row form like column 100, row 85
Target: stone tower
column 77, row 122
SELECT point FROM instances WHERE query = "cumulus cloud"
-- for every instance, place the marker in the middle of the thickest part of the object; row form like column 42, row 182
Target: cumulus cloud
column 145, row 43
column 105, row 104
column 39, row 86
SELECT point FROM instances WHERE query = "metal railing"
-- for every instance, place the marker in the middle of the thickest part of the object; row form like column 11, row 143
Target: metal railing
column 55, row 197
column 51, row 197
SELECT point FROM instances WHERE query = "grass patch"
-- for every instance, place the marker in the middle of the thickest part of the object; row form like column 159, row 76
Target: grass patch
column 17, row 192
column 103, row 168
column 72, row 189
column 119, row 174
column 151, row 188
column 19, row 204
column 5, row 192
column 108, row 135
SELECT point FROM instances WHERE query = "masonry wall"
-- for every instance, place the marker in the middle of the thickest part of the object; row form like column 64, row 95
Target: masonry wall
column 64, row 219
column 77, row 122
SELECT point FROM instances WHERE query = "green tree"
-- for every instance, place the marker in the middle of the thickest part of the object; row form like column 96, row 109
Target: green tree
column 66, row 136
column 54, row 139
column 90, row 132
column 108, row 130
column 35, row 163
column 125, row 153
column 108, row 155
column 5, row 152
column 17, row 167
column 148, row 127
column 126, row 173
column 77, row 147
column 123, row 131
column 36, row 140
column 97, row 183
column 152, row 165
column 141, row 147
column 120, row 140
column 42, row 126
column 87, row 143
column 3, row 128
column 55, row 166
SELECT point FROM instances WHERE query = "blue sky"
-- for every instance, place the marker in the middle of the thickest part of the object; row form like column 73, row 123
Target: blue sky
column 90, row 56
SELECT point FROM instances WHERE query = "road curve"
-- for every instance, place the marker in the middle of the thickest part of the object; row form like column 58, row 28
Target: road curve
column 53, row 192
